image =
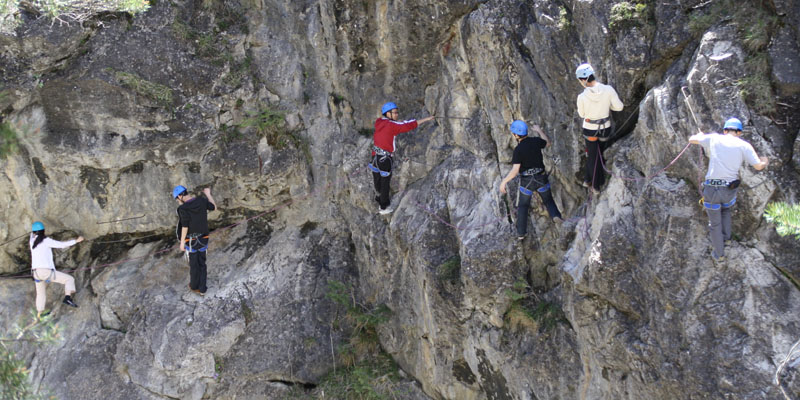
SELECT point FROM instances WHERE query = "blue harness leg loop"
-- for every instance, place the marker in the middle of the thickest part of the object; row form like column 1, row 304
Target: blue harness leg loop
column 717, row 206
column 525, row 191
column 729, row 204
column 544, row 188
column 373, row 168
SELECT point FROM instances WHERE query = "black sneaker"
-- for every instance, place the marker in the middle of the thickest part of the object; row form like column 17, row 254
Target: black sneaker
column 43, row 314
column 68, row 301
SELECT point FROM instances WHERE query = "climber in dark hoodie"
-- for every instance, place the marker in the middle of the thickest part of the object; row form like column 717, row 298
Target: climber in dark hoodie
column 193, row 231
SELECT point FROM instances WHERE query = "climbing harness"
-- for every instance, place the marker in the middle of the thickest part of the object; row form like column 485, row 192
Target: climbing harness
column 381, row 152
column 193, row 239
column 716, row 182
column 600, row 121
column 532, row 171
column 373, row 165
column 49, row 277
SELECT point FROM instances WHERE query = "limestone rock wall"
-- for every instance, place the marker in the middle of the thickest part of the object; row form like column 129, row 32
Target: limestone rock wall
column 114, row 113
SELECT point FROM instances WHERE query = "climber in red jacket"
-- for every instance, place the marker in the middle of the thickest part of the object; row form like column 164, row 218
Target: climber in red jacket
column 387, row 128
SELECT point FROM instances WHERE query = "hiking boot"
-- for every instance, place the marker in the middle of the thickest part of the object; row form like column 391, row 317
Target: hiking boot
column 558, row 220
column 717, row 260
column 196, row 290
column 585, row 184
column 68, row 301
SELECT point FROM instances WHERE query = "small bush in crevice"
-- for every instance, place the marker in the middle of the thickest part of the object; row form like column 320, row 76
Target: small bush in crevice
column 564, row 22
column 529, row 312
column 449, row 270
column 159, row 93
column 628, row 13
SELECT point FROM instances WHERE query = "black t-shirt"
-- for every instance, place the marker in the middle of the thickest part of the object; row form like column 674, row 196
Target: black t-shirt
column 529, row 153
column 194, row 215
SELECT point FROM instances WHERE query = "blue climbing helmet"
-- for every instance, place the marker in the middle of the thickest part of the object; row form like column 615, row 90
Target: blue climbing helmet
column 179, row 190
column 733, row 123
column 388, row 107
column 37, row 226
column 519, row 128
column 584, row 71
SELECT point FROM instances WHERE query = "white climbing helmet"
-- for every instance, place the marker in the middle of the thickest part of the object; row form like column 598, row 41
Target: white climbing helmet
column 584, row 71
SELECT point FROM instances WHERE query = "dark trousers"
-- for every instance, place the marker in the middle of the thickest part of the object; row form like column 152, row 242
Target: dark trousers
column 384, row 163
column 533, row 183
column 719, row 220
column 594, row 172
column 197, row 270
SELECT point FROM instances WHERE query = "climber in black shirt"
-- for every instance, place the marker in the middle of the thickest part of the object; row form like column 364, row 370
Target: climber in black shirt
column 527, row 161
column 193, row 231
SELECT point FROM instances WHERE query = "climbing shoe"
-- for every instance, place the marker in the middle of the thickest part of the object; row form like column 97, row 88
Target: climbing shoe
column 68, row 301
column 42, row 314
column 521, row 238
column 385, row 211
column 197, row 291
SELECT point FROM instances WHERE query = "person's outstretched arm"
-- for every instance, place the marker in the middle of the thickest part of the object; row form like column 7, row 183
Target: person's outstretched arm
column 511, row 175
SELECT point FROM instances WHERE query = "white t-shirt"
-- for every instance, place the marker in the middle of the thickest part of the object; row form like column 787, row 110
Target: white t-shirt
column 725, row 154
column 597, row 102
column 42, row 256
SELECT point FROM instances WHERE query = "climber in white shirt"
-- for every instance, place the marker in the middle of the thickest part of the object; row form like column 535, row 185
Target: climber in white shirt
column 595, row 104
column 44, row 270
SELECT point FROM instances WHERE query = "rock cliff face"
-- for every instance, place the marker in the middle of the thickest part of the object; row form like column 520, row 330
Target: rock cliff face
column 271, row 103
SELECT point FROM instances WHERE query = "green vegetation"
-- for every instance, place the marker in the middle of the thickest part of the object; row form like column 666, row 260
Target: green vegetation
column 372, row 379
column 271, row 124
column 14, row 380
column 628, row 13
column 527, row 311
column 449, row 270
column 786, row 218
column 154, row 91
column 564, row 22
column 65, row 11
column 367, row 372
column 9, row 141
column 755, row 24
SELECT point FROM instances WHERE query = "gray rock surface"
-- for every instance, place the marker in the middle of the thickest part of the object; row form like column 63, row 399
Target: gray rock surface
column 625, row 302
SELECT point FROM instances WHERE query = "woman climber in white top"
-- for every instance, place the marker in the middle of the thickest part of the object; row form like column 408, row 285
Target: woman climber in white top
column 43, row 268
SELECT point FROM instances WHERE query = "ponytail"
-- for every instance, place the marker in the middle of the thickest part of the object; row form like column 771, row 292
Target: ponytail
column 39, row 237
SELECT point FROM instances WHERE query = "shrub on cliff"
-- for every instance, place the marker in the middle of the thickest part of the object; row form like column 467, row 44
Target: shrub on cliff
column 64, row 11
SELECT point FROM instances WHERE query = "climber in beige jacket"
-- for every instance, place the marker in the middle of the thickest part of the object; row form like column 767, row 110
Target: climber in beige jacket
column 595, row 104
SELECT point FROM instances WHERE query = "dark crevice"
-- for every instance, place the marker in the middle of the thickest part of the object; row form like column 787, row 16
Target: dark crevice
column 303, row 385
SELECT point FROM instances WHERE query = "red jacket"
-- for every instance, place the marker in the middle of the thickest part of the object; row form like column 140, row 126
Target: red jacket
column 386, row 130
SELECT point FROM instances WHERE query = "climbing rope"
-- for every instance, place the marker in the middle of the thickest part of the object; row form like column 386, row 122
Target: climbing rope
column 16, row 238
column 120, row 220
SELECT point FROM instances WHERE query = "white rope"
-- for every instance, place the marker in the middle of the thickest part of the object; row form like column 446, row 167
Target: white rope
column 782, row 366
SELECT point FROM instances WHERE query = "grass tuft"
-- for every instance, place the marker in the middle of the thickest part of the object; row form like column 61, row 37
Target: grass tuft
column 154, row 91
